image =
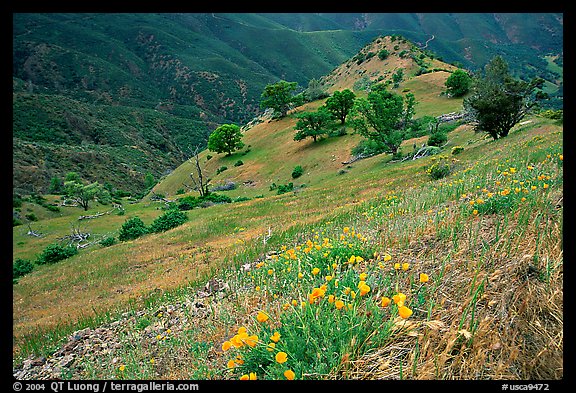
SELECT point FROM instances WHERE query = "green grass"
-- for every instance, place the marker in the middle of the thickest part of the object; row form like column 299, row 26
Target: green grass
column 393, row 206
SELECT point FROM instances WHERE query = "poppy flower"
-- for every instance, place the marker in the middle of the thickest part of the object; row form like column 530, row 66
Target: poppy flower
column 404, row 312
column 423, row 277
column 385, row 301
column 261, row 317
column 289, row 374
column 281, row 357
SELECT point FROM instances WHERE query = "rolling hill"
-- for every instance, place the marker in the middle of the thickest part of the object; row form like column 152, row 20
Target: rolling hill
column 477, row 256
column 116, row 96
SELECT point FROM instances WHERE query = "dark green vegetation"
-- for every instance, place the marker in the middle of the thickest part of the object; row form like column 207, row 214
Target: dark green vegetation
column 115, row 96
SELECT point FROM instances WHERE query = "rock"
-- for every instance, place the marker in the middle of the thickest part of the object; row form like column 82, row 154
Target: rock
column 67, row 360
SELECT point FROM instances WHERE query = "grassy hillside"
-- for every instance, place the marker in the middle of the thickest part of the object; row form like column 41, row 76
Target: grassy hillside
column 209, row 69
column 491, row 262
column 365, row 270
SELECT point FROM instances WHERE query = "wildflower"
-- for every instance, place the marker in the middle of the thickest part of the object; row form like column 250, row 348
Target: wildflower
column 404, row 312
column 241, row 330
column 271, row 347
column 545, row 185
column 226, row 345
column 523, row 199
column 561, row 157
column 261, row 317
column 300, row 275
column 475, row 212
column 289, row 374
column 399, row 298
column 152, row 361
column 281, row 357
column 331, row 298
column 316, row 294
column 275, row 337
column 346, row 230
column 231, row 364
column 339, row 304
column 352, row 260
column 424, row 276
column 396, row 266
column 328, row 278
column 251, row 340
column 385, row 301
column 533, row 187
column 387, row 257
column 257, row 288
column 359, row 259
column 294, row 302
column 353, row 294
column 364, row 289
column 315, row 271
column 363, row 276
column 122, row 368
column 347, row 290
column 270, row 271
column 405, row 266
column 286, row 306
column 244, row 377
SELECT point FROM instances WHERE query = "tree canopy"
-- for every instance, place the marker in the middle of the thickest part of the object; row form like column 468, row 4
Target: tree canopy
column 225, row 139
column 313, row 124
column 279, row 97
column 378, row 117
column 458, row 83
column 340, row 104
column 498, row 101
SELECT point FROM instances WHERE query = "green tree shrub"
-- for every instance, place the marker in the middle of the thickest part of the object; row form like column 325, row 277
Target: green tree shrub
column 498, row 101
column 132, row 229
column 340, row 104
column 313, row 124
column 107, row 242
column 279, row 97
column 440, row 168
column 171, row 219
column 226, row 139
column 457, row 150
column 458, row 83
column 54, row 253
column 21, row 267
column 437, row 138
column 297, row 171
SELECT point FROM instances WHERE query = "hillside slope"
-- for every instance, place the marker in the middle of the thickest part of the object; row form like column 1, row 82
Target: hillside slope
column 201, row 70
column 322, row 160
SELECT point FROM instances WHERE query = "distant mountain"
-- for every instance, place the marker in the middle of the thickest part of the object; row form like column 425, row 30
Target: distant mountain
column 115, row 96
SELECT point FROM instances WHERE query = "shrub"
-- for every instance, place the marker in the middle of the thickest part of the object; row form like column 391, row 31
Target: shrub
column 216, row 198
column 221, row 169
column 188, row 202
column 437, row 138
column 284, row 188
column 368, row 147
column 457, row 150
column 55, row 252
column 439, row 169
column 297, row 172
column 383, row 54
column 21, row 267
column 170, row 219
column 31, row 217
column 238, row 163
column 109, row 241
column 132, row 228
